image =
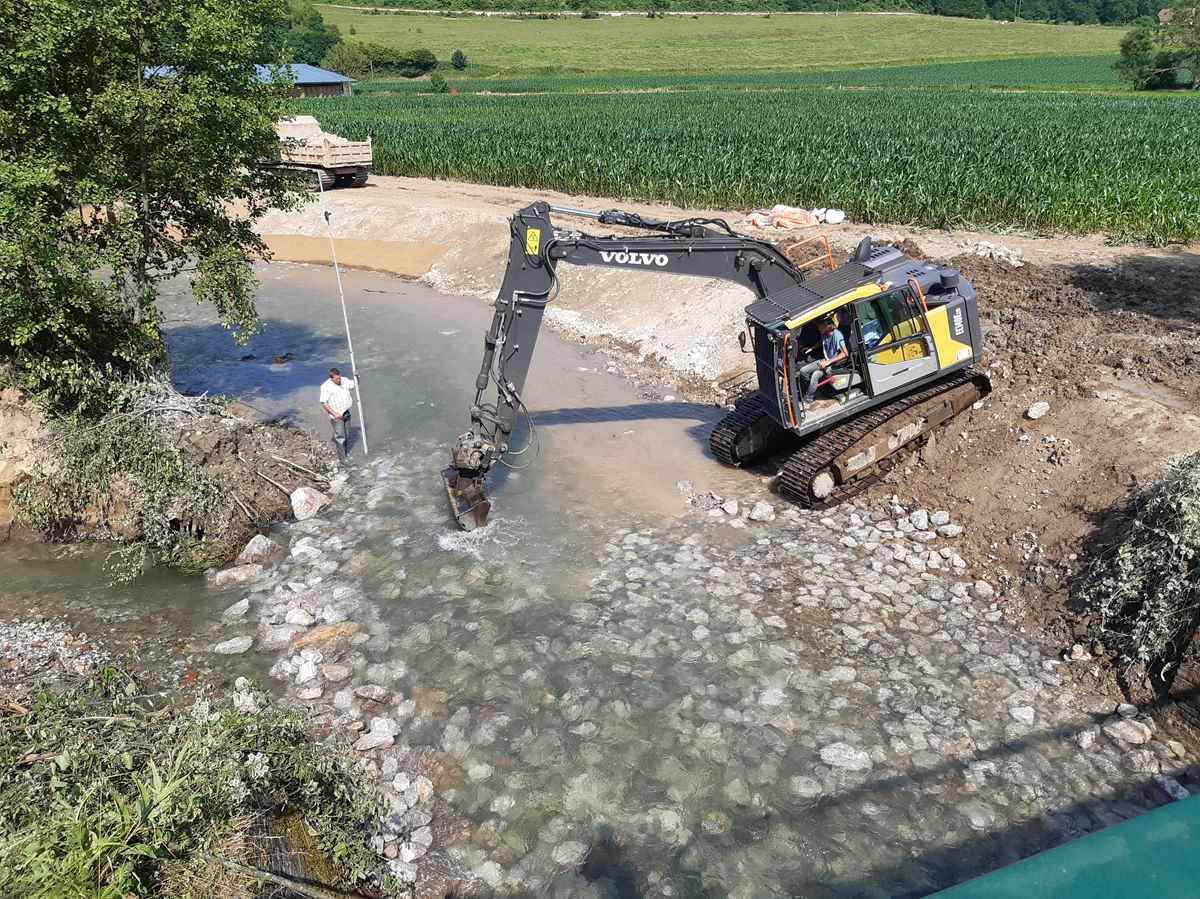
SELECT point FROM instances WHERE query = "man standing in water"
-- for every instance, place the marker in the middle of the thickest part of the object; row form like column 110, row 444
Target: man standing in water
column 336, row 401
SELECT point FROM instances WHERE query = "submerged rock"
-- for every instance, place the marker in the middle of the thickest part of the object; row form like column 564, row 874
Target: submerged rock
column 239, row 574
column 570, row 853
column 382, row 733
column 234, row 647
column 300, row 617
column 236, row 611
column 843, row 755
column 328, row 636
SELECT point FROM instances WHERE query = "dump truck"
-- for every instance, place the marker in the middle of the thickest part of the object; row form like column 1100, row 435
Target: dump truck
column 912, row 332
column 336, row 162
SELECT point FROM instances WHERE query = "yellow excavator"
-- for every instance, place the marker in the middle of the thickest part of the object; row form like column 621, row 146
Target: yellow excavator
column 911, row 329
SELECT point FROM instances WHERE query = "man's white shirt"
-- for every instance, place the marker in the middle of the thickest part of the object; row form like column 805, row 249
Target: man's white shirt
column 337, row 396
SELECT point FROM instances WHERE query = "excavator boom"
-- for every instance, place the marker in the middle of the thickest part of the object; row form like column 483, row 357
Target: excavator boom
column 703, row 247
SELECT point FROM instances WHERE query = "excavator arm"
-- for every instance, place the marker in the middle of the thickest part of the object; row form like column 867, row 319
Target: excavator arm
column 703, row 247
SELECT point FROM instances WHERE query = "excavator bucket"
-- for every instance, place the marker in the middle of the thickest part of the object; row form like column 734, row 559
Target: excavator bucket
column 468, row 500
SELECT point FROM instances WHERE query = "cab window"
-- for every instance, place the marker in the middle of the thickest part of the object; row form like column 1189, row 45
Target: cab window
column 889, row 324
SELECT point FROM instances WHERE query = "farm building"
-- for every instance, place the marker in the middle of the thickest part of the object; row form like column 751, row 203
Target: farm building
column 310, row 81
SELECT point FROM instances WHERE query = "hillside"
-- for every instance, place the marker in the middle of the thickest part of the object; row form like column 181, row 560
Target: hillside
column 717, row 43
column 1082, row 12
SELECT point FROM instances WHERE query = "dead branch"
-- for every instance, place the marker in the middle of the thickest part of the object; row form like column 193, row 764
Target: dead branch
column 245, row 509
column 300, row 468
column 297, row 886
column 272, row 481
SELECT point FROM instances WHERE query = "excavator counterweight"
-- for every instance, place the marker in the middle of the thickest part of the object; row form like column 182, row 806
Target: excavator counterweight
column 911, row 331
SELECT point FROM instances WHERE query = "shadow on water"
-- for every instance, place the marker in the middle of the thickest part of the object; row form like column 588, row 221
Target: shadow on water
column 704, row 416
column 205, row 357
column 944, row 866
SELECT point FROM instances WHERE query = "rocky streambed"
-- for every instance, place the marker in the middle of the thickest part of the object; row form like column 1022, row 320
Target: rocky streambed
column 744, row 701
column 620, row 688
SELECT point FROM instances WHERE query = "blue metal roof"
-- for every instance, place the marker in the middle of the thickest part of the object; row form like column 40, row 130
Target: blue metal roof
column 302, row 73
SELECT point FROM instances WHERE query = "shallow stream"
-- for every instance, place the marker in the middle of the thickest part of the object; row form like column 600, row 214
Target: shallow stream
column 629, row 702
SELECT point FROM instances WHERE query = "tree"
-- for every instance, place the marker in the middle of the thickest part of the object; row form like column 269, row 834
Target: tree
column 359, row 59
column 968, row 9
column 308, row 37
column 458, row 59
column 348, row 58
column 1005, row 10
column 1179, row 39
column 1118, row 12
column 130, row 132
column 1137, row 63
column 1155, row 56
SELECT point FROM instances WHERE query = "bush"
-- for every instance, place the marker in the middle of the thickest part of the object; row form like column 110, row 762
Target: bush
column 361, row 60
column 103, row 795
column 349, row 58
column 589, row 13
column 437, row 84
column 458, row 59
column 1146, row 584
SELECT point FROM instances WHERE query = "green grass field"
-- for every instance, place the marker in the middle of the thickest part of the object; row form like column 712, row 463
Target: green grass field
column 1045, row 73
column 1035, row 161
column 719, row 43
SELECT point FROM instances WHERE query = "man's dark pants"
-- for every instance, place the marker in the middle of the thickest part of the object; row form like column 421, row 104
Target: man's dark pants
column 811, row 374
column 340, row 426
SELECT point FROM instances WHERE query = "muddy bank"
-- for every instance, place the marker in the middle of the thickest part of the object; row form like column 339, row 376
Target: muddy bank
column 1115, row 353
column 191, row 479
column 21, row 423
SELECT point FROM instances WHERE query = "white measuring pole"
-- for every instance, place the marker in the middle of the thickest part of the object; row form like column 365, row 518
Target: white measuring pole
column 362, row 415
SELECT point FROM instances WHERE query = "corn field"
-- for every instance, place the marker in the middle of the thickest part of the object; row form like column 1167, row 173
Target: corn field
column 1040, row 162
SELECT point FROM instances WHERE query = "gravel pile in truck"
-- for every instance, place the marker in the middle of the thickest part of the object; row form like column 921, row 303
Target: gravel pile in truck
column 336, row 161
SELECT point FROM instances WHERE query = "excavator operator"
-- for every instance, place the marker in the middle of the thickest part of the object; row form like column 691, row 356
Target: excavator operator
column 832, row 350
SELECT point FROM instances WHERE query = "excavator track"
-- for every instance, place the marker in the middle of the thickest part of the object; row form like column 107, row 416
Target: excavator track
column 812, row 473
column 746, row 434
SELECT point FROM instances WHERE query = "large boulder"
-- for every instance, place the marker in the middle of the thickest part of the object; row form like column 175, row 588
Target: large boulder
column 259, row 551
column 307, row 502
column 236, row 576
column 234, row 647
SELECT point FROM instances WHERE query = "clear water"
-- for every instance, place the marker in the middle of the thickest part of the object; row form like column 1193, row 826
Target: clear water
column 630, row 703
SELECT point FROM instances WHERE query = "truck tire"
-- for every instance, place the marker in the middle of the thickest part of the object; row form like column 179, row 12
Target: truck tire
column 328, row 179
column 360, row 179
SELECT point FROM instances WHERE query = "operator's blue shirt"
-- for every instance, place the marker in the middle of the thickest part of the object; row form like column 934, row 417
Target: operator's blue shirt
column 833, row 344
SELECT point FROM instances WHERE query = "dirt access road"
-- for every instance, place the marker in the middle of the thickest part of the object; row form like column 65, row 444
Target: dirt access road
column 1108, row 336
